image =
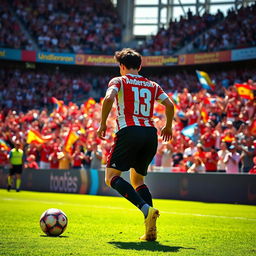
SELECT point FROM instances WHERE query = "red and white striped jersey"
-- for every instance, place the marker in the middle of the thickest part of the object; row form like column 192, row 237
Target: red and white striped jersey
column 135, row 100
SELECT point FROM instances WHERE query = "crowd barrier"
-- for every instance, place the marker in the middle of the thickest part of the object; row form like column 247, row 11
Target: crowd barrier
column 208, row 187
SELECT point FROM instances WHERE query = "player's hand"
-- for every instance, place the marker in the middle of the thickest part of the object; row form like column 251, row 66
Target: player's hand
column 101, row 132
column 166, row 133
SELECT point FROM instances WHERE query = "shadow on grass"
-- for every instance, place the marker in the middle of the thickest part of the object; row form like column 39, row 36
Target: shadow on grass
column 55, row 236
column 150, row 246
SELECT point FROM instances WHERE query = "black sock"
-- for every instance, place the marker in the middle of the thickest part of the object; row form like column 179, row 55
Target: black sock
column 126, row 190
column 144, row 193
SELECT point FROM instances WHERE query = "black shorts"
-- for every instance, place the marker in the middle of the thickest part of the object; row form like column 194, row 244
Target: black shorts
column 16, row 169
column 134, row 147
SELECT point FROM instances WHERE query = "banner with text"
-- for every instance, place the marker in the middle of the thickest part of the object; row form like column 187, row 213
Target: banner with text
column 201, row 58
column 147, row 61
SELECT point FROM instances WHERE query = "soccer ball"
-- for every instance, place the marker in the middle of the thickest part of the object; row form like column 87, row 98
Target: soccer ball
column 53, row 222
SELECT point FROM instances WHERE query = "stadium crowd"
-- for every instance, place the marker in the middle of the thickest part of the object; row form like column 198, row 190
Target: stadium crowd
column 209, row 33
column 237, row 30
column 93, row 27
column 24, row 89
column 11, row 35
column 225, row 124
column 71, row 26
column 179, row 33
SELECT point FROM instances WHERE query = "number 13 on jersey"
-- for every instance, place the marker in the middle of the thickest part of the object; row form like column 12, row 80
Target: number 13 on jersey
column 142, row 98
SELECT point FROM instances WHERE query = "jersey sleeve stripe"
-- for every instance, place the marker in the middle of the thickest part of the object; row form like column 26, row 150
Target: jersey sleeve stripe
column 113, row 88
column 162, row 97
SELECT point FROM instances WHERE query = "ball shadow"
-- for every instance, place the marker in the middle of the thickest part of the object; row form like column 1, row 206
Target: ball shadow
column 55, row 236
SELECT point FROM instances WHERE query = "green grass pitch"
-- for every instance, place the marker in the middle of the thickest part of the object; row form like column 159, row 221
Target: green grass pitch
column 111, row 226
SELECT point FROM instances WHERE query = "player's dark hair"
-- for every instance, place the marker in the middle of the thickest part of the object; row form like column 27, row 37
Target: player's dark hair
column 128, row 57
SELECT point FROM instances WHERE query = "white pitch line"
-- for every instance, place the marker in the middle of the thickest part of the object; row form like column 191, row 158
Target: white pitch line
column 122, row 208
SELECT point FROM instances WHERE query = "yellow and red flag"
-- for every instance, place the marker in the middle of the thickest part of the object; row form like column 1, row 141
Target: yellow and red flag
column 228, row 138
column 36, row 137
column 71, row 138
column 89, row 103
column 4, row 145
column 204, row 115
column 245, row 91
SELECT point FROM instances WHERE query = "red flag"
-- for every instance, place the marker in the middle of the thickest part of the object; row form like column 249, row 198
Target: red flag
column 58, row 104
column 252, row 128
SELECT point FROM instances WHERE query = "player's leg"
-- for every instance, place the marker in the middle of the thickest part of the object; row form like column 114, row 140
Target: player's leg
column 124, row 188
column 143, row 159
column 137, row 181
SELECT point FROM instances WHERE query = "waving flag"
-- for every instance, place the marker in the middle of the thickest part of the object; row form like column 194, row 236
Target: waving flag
column 4, row 145
column 175, row 97
column 204, row 115
column 209, row 100
column 252, row 128
column 88, row 104
column 58, row 104
column 189, row 131
column 245, row 91
column 36, row 137
column 205, row 80
column 71, row 138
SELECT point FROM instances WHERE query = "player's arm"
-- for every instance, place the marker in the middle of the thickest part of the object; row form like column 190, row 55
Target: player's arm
column 166, row 131
column 106, row 108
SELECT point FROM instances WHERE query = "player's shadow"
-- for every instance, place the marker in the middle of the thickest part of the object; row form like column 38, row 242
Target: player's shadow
column 150, row 246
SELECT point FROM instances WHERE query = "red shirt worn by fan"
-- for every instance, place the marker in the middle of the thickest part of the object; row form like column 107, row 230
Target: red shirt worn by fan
column 135, row 100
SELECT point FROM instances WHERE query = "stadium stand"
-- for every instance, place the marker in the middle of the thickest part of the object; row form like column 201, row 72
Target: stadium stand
column 11, row 35
column 207, row 32
column 94, row 27
column 71, row 26
column 237, row 30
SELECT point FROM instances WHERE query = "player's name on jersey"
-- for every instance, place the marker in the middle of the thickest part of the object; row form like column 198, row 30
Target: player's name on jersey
column 139, row 82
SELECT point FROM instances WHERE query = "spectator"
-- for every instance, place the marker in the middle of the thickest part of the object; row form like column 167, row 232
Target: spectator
column 45, row 151
column 221, row 166
column 232, row 160
column 53, row 159
column 190, row 150
column 208, row 138
column 77, row 158
column 166, row 152
column 188, row 161
column 248, row 152
column 200, row 152
column 197, row 167
column 31, row 163
column 253, row 170
column 96, row 157
column 211, row 160
column 87, row 157
column 64, row 160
